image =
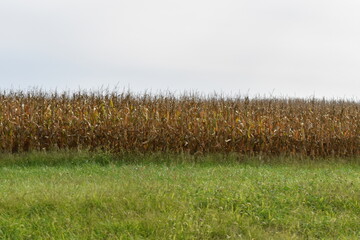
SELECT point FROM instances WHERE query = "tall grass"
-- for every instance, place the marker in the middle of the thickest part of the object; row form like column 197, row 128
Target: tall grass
column 125, row 122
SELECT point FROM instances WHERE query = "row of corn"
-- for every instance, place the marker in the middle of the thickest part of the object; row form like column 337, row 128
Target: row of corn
column 125, row 122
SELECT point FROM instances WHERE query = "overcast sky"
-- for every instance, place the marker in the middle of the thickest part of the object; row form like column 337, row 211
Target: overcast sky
column 281, row 47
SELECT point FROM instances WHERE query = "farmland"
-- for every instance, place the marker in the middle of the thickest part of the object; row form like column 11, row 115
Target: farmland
column 125, row 122
column 106, row 165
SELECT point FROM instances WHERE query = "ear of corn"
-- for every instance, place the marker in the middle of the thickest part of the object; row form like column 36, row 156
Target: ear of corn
column 190, row 123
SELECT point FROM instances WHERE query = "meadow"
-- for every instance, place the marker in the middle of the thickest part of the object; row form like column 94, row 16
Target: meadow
column 100, row 196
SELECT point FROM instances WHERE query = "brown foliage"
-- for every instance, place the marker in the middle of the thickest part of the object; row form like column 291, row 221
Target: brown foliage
column 126, row 122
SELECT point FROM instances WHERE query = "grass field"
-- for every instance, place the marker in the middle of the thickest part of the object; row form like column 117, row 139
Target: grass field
column 83, row 196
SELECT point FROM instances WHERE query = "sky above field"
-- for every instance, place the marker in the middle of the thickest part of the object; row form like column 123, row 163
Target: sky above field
column 257, row 47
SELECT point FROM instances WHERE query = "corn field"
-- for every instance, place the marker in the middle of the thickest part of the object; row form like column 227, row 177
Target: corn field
column 125, row 122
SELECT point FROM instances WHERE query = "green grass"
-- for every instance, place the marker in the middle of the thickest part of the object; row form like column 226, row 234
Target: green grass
column 85, row 196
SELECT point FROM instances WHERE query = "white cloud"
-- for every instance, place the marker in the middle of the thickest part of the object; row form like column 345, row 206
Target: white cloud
column 292, row 47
